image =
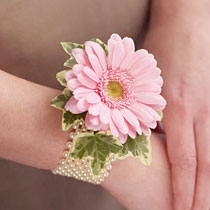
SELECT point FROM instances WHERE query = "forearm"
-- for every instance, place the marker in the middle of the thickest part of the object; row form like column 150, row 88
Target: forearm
column 30, row 130
column 30, row 133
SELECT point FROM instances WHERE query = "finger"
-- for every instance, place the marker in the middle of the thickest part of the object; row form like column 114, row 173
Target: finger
column 202, row 193
column 182, row 156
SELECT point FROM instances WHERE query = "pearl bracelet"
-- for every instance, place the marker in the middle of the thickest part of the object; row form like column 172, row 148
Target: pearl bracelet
column 80, row 169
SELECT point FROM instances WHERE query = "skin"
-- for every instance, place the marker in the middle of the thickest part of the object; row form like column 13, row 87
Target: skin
column 181, row 46
column 30, row 126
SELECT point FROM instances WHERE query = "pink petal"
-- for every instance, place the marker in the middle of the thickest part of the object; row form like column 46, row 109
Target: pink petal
column 69, row 75
column 113, row 128
column 130, row 117
column 139, row 131
column 96, row 49
column 95, row 120
column 123, row 137
column 119, row 121
column 92, row 122
column 133, row 58
column 115, row 37
column 93, row 98
column 131, row 130
column 86, row 81
column 118, row 55
column 152, row 124
column 126, row 62
column 77, row 68
column 151, row 111
column 95, row 64
column 150, row 98
column 157, row 107
column 128, row 45
column 153, row 88
column 145, row 130
column 71, row 106
column 80, row 56
column 82, row 92
column 87, row 122
column 138, row 67
column 111, row 43
column 91, row 74
column 105, row 127
column 105, row 114
column 147, row 75
column 94, row 109
column 141, row 114
column 82, row 105
column 73, row 84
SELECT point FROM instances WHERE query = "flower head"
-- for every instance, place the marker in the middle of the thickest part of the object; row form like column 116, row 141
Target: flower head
column 120, row 93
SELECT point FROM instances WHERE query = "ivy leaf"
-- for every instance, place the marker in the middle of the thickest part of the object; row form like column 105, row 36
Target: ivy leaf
column 60, row 77
column 70, row 63
column 59, row 101
column 161, row 115
column 68, row 47
column 139, row 147
column 69, row 118
column 103, row 45
column 98, row 147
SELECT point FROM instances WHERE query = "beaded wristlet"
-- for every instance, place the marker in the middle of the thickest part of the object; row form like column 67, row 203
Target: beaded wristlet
column 110, row 102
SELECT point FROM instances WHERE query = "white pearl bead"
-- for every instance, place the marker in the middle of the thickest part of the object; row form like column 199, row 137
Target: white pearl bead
column 81, row 123
column 75, row 126
column 69, row 145
column 78, row 132
column 71, row 165
column 65, row 154
column 71, row 135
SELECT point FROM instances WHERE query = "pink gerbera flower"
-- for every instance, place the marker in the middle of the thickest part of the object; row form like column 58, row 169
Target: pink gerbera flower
column 120, row 93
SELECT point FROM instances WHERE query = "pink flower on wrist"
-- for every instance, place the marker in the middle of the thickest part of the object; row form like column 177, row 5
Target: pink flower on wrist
column 120, row 93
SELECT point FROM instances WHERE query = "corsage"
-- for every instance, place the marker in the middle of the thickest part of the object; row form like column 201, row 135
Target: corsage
column 110, row 103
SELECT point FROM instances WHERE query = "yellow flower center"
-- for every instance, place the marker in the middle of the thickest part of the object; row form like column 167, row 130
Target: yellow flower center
column 115, row 89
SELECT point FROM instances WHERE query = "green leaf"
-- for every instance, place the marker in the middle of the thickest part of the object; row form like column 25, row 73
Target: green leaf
column 70, row 63
column 139, row 147
column 69, row 118
column 161, row 115
column 103, row 45
column 68, row 47
column 60, row 77
column 59, row 101
column 98, row 147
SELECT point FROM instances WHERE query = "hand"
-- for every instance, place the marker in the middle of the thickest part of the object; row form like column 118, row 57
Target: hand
column 179, row 38
column 140, row 187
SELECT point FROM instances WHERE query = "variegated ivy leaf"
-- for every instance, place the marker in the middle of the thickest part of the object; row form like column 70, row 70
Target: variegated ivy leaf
column 161, row 115
column 139, row 147
column 103, row 45
column 60, row 77
column 59, row 101
column 70, row 63
column 97, row 146
column 68, row 47
column 69, row 118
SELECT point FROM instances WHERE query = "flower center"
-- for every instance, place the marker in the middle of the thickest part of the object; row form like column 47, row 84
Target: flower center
column 115, row 89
